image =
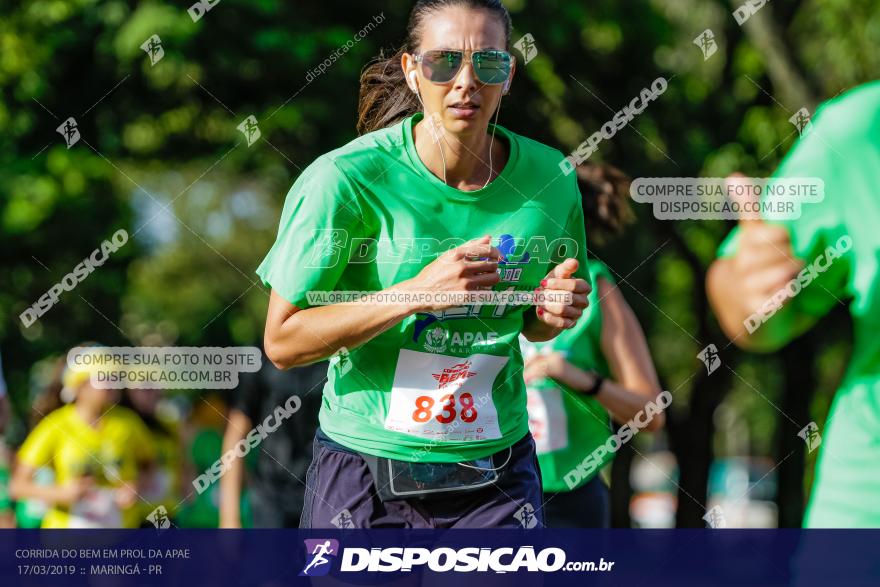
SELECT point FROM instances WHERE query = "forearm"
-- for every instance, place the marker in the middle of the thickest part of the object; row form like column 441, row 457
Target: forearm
column 622, row 402
column 230, row 495
column 232, row 482
column 20, row 489
column 311, row 335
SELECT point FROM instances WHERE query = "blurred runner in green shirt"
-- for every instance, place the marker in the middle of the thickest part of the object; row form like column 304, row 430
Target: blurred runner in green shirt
column 839, row 240
column 600, row 366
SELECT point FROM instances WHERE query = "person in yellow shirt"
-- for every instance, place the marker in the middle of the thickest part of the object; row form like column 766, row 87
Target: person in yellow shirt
column 97, row 451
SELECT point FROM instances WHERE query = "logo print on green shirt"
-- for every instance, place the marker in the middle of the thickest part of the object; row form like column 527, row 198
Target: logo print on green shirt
column 435, row 340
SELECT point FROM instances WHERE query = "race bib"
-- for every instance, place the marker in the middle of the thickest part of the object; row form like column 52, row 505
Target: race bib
column 96, row 509
column 444, row 398
column 548, row 421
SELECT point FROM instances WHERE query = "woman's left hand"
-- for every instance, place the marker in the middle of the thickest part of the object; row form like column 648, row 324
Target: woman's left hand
column 558, row 283
column 541, row 366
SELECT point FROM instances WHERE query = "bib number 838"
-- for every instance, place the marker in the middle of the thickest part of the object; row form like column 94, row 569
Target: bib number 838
column 425, row 403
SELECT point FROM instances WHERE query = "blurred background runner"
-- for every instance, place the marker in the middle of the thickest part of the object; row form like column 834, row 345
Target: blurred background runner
column 599, row 369
column 276, row 481
column 98, row 452
column 838, row 239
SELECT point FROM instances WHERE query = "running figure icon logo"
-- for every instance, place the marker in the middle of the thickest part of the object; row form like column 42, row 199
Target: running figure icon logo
column 810, row 435
column 70, row 131
column 329, row 243
column 159, row 518
column 801, row 121
column 341, row 359
column 455, row 373
column 317, row 553
column 706, row 42
column 715, row 518
column 710, row 358
column 153, row 48
column 527, row 47
column 250, row 129
column 526, row 516
column 343, row 520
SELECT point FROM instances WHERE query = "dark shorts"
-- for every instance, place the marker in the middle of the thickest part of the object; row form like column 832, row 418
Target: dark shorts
column 588, row 506
column 340, row 494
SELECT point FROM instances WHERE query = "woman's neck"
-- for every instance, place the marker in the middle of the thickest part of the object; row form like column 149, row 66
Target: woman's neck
column 466, row 156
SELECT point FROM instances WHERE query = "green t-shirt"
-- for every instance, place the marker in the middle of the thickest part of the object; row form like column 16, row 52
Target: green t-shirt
column 568, row 426
column 441, row 387
column 843, row 149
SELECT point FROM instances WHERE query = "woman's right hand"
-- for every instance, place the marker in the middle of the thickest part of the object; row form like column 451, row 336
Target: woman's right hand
column 472, row 266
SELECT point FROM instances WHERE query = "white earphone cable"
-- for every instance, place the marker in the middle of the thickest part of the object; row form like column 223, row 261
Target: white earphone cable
column 432, row 122
column 492, row 142
column 414, row 78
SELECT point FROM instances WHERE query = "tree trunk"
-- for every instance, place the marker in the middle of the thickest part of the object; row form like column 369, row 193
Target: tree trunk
column 621, row 489
column 798, row 361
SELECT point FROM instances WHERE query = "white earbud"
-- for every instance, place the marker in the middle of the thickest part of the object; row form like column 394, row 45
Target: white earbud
column 414, row 82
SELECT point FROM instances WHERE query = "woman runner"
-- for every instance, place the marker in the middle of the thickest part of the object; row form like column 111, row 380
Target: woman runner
column 424, row 420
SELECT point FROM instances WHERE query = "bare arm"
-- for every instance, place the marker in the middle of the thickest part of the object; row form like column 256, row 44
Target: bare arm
column 733, row 305
column 742, row 287
column 626, row 350
column 296, row 337
column 624, row 347
column 748, row 287
column 232, row 482
column 22, row 486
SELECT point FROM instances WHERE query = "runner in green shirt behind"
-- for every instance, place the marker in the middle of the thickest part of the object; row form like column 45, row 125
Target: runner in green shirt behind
column 600, row 366
column 773, row 281
column 424, row 421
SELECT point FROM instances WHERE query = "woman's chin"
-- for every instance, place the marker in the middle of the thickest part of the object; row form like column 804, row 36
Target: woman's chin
column 465, row 126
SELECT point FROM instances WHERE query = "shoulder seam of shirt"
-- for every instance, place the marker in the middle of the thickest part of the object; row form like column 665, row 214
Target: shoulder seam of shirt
column 355, row 192
column 523, row 140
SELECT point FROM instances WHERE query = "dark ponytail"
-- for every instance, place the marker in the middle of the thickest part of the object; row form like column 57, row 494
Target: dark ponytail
column 605, row 200
column 385, row 97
